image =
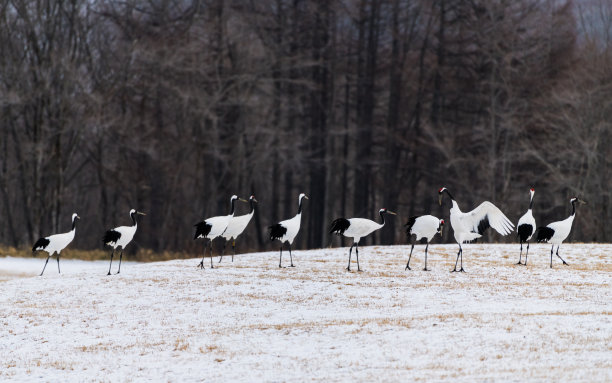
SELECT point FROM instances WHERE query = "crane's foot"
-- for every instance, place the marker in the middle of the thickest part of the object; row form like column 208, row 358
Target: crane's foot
column 461, row 270
column 200, row 265
column 292, row 265
column 454, row 270
column 106, row 274
column 117, row 272
column 520, row 263
column 361, row 271
column 565, row 263
column 426, row 269
column 348, row 268
column 280, row 267
column 407, row 268
column 212, row 267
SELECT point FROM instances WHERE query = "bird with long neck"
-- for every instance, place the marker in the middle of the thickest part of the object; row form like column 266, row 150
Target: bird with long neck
column 214, row 227
column 286, row 231
column 556, row 232
column 120, row 237
column 525, row 228
column 357, row 228
column 236, row 226
column 472, row 225
column 54, row 244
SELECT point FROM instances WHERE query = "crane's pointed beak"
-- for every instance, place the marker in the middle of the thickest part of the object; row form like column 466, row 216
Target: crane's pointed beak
column 440, row 231
column 306, row 197
column 242, row 199
column 582, row 202
column 440, row 199
column 390, row 212
column 141, row 213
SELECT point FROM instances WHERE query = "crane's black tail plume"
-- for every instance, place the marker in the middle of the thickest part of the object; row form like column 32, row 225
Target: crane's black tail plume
column 111, row 237
column 277, row 231
column 339, row 226
column 545, row 233
column 409, row 224
column 202, row 229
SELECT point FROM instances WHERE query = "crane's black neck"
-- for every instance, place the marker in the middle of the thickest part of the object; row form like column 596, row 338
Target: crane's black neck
column 449, row 194
column 252, row 206
column 74, row 223
column 382, row 217
column 232, row 209
column 531, row 203
column 573, row 207
column 300, row 206
column 133, row 215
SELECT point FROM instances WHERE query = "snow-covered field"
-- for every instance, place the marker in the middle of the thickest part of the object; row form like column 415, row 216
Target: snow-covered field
column 251, row 321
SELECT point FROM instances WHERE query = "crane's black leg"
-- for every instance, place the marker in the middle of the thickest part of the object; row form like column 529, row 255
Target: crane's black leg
column 120, row 258
column 357, row 253
column 290, row 257
column 457, row 260
column 58, row 269
column 280, row 260
column 520, row 254
column 409, row 257
column 201, row 265
column 233, row 249
column 111, row 261
column 426, row 247
column 551, row 254
column 565, row 263
column 349, row 264
column 527, row 253
column 211, row 256
column 222, row 251
column 47, row 261
column 461, row 270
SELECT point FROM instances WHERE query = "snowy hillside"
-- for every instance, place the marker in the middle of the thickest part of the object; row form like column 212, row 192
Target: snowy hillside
column 251, row 321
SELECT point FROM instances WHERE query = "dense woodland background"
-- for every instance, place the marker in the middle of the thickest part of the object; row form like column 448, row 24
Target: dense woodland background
column 172, row 106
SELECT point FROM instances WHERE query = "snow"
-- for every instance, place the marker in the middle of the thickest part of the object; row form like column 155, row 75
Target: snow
column 251, row 321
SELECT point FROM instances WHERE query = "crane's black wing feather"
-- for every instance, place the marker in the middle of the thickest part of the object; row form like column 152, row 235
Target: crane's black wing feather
column 111, row 237
column 545, row 233
column 339, row 226
column 409, row 225
column 202, row 229
column 277, row 231
column 41, row 244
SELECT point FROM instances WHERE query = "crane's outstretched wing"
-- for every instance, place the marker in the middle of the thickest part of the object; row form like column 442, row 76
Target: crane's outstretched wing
column 487, row 215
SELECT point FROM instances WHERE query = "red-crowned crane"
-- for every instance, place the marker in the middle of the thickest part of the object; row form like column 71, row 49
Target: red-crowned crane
column 557, row 232
column 236, row 226
column 526, row 227
column 425, row 226
column 120, row 237
column 357, row 228
column 213, row 227
column 285, row 231
column 471, row 225
column 56, row 243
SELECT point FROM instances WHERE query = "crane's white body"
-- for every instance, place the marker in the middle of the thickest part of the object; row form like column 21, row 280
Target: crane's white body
column 58, row 242
column 218, row 225
column 361, row 227
column 127, row 234
column 293, row 227
column 425, row 226
column 562, row 230
column 527, row 219
column 236, row 225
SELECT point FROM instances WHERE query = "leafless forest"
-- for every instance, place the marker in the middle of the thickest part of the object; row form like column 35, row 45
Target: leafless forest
column 172, row 106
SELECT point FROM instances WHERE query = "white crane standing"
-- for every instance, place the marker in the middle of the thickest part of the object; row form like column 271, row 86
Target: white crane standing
column 557, row 232
column 357, row 228
column 425, row 226
column 236, row 226
column 120, row 237
column 526, row 227
column 212, row 228
column 471, row 225
column 56, row 243
column 285, row 231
